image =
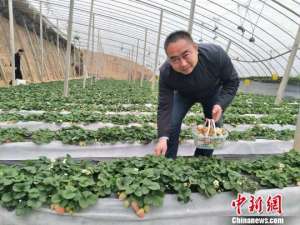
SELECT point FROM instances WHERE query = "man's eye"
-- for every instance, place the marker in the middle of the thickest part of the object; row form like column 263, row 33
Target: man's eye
column 186, row 54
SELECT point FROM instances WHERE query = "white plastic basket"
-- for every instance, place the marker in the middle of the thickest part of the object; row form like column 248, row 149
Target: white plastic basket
column 19, row 82
column 207, row 137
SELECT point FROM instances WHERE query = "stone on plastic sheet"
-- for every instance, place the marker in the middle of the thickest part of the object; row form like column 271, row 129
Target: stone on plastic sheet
column 200, row 210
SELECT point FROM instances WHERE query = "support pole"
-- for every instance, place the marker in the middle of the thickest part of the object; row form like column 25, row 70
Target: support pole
column 103, row 61
column 68, row 55
column 98, row 51
column 144, row 57
column 297, row 134
column 228, row 46
column 128, row 66
column 157, row 48
column 12, row 42
column 41, row 41
column 136, row 60
column 93, row 49
column 191, row 18
column 287, row 71
column 74, row 57
column 88, row 42
column 57, row 37
column 132, row 63
column 78, row 56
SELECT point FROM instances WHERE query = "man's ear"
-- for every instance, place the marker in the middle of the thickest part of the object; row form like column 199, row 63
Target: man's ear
column 195, row 46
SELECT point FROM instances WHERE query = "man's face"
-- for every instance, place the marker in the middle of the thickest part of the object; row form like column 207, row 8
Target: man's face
column 183, row 56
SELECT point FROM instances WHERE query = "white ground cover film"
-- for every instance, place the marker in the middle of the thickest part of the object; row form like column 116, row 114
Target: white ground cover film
column 55, row 149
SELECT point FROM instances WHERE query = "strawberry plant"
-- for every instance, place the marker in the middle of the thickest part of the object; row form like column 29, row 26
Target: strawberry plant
column 8, row 135
column 43, row 136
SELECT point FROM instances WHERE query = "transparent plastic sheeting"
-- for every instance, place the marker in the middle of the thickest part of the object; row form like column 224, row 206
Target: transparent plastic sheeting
column 200, row 210
column 29, row 150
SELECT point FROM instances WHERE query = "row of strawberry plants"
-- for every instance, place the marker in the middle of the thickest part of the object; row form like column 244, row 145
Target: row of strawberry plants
column 49, row 95
column 67, row 186
column 121, row 107
column 111, row 94
column 90, row 117
column 81, row 116
column 144, row 134
column 79, row 136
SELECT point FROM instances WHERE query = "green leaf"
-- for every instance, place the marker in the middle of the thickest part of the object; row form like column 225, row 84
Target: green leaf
column 21, row 187
column 153, row 186
column 155, row 198
column 144, row 190
column 35, row 204
column 7, row 182
column 68, row 194
column 226, row 185
column 34, row 193
column 85, row 182
column 138, row 192
column 123, row 182
column 56, row 198
column 19, row 195
column 87, row 199
column 211, row 191
column 6, row 197
column 131, row 171
column 30, row 169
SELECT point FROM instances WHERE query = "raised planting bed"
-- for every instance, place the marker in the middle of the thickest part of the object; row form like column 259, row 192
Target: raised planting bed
column 67, row 186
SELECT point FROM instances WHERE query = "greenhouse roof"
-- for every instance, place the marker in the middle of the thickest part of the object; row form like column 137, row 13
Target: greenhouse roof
column 259, row 34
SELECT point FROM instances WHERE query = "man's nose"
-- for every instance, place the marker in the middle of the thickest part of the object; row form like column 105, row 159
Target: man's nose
column 182, row 62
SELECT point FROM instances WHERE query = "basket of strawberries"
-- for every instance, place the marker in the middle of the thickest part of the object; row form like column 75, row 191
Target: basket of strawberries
column 208, row 136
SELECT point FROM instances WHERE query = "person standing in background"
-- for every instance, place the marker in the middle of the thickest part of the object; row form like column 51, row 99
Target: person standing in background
column 18, row 71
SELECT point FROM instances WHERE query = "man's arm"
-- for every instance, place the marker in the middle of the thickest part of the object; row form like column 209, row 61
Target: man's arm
column 229, row 80
column 165, row 103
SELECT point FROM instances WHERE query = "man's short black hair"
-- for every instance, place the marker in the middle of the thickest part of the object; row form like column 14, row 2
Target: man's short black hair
column 175, row 36
column 21, row 50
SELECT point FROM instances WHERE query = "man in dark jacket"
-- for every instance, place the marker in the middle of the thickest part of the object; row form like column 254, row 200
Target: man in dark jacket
column 18, row 72
column 18, row 64
column 191, row 74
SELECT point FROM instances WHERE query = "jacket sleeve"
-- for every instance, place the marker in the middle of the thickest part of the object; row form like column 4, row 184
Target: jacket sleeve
column 229, row 80
column 165, row 103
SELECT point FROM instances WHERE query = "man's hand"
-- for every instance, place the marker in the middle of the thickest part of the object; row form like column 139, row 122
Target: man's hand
column 161, row 147
column 216, row 112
